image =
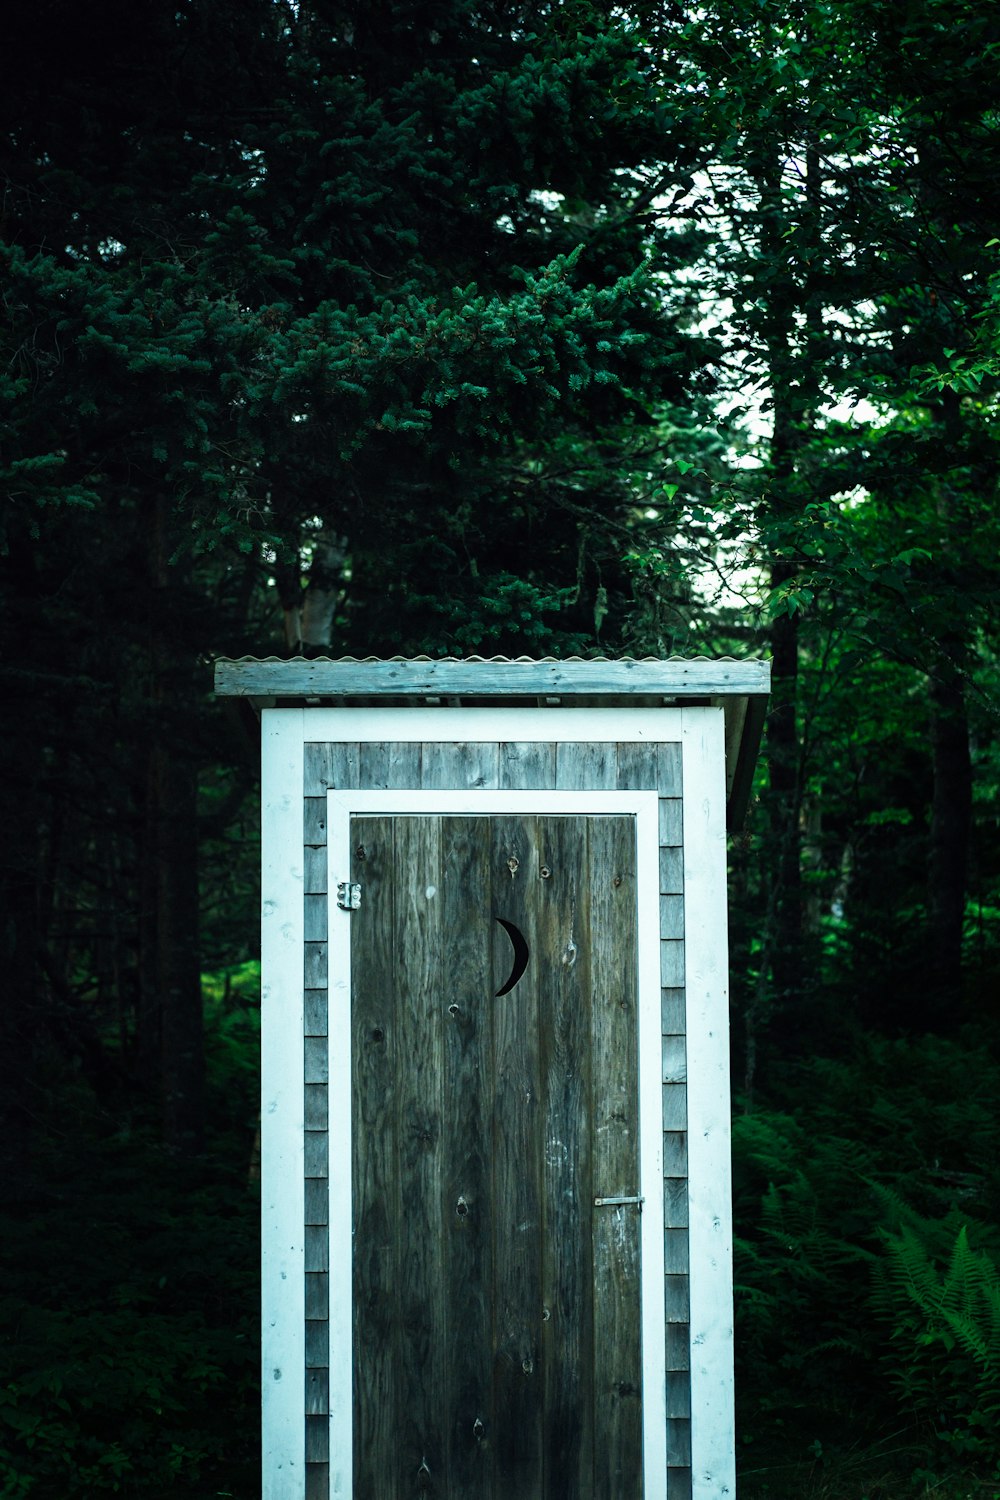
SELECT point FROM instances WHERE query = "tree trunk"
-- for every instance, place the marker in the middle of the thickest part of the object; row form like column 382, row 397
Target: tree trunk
column 951, row 821
column 171, row 1003
column 784, row 798
column 173, row 784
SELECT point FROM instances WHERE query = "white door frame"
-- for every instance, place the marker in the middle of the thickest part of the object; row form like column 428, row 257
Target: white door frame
column 642, row 806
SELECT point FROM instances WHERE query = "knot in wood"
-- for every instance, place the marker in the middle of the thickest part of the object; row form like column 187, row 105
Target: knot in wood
column 461, row 1208
column 512, row 865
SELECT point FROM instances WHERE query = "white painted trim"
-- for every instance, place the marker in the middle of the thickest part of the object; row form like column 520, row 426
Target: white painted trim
column 282, row 1108
column 713, row 1471
column 458, row 725
column 642, row 805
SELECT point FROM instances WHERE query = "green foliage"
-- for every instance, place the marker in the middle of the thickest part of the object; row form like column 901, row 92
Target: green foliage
column 943, row 1305
column 504, row 329
column 866, row 1261
column 130, row 1286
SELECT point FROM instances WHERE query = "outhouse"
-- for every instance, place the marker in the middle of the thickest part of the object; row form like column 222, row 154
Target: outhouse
column 495, row 1111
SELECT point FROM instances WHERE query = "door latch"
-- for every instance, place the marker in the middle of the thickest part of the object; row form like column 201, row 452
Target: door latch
column 348, row 895
column 623, row 1198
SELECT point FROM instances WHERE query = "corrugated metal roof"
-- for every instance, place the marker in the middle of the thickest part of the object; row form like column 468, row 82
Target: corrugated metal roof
column 488, row 660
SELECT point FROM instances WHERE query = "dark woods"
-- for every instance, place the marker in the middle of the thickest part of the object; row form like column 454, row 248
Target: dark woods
column 460, row 329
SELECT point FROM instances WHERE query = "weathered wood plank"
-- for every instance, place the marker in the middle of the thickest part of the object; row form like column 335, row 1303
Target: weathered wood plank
column 671, row 916
column 678, row 1347
column 317, row 1256
column 316, row 1106
column 675, row 1203
column 671, row 964
column 617, row 1334
column 314, row 821
column 315, row 976
column 638, row 766
column 672, row 870
column 317, row 1440
column 671, row 822
column 317, row 1482
column 678, row 1394
column 517, row 1297
column 317, row 1296
column 467, row 1002
column 317, row 1201
column 317, row 1346
column 316, row 1060
column 417, row 1459
column 316, row 917
column 464, row 764
column 675, row 1153
column 675, row 1252
column 318, row 1393
column 394, row 765
column 316, row 1164
column 672, row 1012
column 330, row 765
column 673, row 1057
column 678, row 1443
column 315, row 869
column 562, row 942
column 303, row 677
column 527, row 764
column 582, row 764
column 680, row 1484
column 675, row 1106
column 669, row 769
column 376, row 1047
column 316, row 1012
column 676, row 1301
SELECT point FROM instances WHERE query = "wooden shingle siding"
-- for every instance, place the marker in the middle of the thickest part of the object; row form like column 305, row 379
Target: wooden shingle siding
column 317, row 1481
column 671, row 871
column 316, row 1109
column 675, row 1252
column 528, row 766
column 314, row 869
column 316, row 1012
column 466, row 765
column 672, row 1012
column 317, row 1257
column 316, row 917
column 505, row 765
column 672, row 964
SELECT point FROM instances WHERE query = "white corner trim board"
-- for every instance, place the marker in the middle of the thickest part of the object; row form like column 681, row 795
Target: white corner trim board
column 282, row 1142
column 706, row 978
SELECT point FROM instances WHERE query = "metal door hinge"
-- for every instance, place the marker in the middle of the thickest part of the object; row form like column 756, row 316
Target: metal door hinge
column 348, row 895
column 613, row 1202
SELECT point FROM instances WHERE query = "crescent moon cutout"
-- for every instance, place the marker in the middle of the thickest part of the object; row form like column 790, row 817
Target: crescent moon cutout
column 521, row 954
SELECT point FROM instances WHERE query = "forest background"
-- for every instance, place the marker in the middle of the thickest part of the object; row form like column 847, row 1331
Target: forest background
column 502, row 327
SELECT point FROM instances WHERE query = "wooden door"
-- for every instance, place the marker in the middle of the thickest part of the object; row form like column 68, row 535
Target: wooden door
column 496, row 1303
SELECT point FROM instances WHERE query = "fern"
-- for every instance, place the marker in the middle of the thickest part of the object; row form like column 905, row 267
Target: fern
column 944, row 1307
